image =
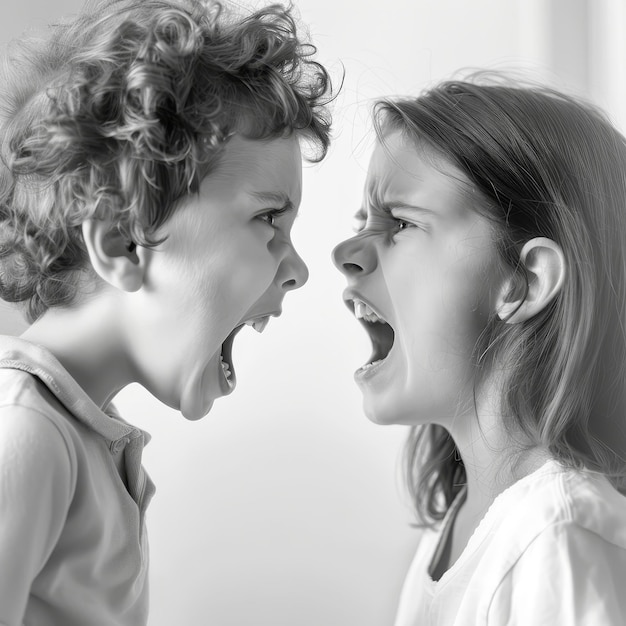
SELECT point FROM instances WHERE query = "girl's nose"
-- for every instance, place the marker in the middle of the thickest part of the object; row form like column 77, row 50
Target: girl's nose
column 354, row 256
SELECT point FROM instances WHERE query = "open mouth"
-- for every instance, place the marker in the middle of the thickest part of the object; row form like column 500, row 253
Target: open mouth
column 226, row 357
column 380, row 332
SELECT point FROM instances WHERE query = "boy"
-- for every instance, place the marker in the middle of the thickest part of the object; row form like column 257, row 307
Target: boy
column 151, row 173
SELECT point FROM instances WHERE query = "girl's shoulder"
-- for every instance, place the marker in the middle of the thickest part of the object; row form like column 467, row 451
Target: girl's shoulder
column 554, row 504
column 587, row 500
column 564, row 538
column 556, row 495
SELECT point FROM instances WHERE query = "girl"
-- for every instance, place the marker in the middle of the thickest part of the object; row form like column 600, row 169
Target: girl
column 150, row 176
column 490, row 273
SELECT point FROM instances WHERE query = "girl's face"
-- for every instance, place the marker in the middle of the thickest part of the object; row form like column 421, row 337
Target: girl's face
column 421, row 282
column 228, row 259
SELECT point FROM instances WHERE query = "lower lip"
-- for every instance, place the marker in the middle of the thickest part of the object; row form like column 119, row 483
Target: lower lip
column 367, row 372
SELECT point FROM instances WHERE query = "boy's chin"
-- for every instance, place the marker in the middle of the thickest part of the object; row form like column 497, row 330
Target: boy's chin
column 194, row 414
column 194, row 405
column 198, row 396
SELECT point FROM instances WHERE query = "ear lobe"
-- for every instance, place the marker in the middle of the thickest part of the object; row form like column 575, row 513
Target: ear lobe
column 112, row 255
column 544, row 263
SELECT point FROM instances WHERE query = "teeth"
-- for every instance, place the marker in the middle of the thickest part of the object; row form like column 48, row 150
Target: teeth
column 364, row 311
column 259, row 323
column 227, row 372
column 369, row 365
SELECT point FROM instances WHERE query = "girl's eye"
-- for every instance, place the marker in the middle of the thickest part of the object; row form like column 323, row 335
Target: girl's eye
column 400, row 224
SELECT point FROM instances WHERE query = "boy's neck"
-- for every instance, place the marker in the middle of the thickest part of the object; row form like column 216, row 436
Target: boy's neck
column 86, row 341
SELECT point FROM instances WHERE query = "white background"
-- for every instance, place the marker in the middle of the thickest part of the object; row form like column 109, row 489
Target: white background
column 284, row 506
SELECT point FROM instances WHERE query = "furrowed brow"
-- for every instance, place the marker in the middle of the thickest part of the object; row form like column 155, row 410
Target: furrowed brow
column 398, row 204
column 278, row 200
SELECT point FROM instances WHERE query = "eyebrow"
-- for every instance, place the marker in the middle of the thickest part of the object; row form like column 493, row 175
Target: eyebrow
column 279, row 200
column 398, row 204
column 361, row 214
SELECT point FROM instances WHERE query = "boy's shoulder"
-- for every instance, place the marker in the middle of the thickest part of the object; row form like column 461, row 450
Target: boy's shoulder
column 36, row 438
column 33, row 380
column 27, row 382
column 31, row 417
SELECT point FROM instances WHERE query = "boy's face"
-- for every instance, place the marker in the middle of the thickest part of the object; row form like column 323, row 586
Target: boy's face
column 423, row 264
column 228, row 260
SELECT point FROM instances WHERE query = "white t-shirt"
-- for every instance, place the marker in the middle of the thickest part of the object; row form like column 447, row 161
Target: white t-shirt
column 551, row 551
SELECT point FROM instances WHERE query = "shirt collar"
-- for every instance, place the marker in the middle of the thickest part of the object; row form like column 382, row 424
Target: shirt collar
column 16, row 353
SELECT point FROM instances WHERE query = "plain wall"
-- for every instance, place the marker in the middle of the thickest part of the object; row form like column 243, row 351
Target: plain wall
column 284, row 506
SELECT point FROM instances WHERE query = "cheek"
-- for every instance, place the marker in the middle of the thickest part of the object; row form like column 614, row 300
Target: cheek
column 250, row 271
column 441, row 309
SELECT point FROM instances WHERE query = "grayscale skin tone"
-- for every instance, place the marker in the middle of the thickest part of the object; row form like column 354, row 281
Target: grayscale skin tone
column 165, row 317
column 424, row 263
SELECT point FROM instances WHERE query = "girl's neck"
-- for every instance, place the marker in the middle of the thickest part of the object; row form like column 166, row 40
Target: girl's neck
column 494, row 459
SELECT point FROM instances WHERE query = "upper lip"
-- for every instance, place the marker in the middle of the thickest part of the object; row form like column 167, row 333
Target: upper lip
column 259, row 320
column 256, row 316
column 350, row 296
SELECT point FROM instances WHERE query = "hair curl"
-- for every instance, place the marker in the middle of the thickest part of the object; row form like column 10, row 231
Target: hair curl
column 122, row 111
column 541, row 163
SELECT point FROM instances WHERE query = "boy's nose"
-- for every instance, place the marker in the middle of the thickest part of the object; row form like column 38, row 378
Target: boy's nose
column 354, row 256
column 295, row 273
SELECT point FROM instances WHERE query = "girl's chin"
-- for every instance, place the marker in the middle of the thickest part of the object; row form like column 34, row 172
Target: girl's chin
column 387, row 410
column 381, row 415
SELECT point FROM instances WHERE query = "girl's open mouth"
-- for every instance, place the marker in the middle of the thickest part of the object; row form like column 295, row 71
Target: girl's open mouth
column 380, row 332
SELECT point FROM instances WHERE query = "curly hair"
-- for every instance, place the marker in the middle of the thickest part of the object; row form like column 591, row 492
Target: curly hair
column 122, row 111
column 541, row 163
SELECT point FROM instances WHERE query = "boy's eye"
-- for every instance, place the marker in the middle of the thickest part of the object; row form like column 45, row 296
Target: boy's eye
column 270, row 217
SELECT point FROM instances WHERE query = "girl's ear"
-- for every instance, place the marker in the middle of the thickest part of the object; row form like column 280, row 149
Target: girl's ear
column 115, row 259
column 544, row 263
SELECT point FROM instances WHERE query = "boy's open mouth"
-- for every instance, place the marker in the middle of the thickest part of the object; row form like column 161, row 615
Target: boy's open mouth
column 226, row 358
column 380, row 332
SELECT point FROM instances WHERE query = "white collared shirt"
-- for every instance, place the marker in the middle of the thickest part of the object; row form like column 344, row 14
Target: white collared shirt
column 73, row 545
column 551, row 551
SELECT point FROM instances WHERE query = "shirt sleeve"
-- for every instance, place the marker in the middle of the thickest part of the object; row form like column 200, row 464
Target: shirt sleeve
column 568, row 576
column 35, row 494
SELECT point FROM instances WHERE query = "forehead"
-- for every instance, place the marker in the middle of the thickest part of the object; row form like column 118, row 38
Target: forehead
column 251, row 175
column 402, row 169
column 260, row 166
